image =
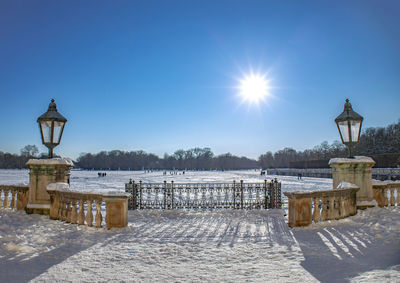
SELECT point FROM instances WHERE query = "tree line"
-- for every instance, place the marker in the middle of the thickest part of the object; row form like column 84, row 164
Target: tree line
column 191, row 159
column 12, row 161
column 373, row 142
column 379, row 140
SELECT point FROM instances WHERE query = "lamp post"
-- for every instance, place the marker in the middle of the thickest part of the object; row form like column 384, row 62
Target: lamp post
column 349, row 126
column 51, row 126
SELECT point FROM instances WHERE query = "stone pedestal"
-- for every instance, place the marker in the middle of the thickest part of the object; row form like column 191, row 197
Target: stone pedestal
column 357, row 171
column 300, row 212
column 43, row 172
column 116, row 209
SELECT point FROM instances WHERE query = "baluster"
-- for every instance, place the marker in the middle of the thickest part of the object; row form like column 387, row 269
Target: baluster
column 81, row 215
column 65, row 210
column 324, row 211
column 89, row 214
column 69, row 210
column 74, row 213
column 392, row 199
column 60, row 208
column 385, row 192
column 316, row 214
column 13, row 199
column 6, row 192
column 99, row 217
column 398, row 197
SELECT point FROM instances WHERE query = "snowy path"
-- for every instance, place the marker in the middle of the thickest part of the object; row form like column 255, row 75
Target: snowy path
column 167, row 246
column 255, row 246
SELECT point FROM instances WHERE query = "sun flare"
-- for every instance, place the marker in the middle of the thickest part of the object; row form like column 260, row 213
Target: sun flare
column 254, row 88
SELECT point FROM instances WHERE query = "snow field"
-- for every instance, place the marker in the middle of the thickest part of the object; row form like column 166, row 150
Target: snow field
column 207, row 246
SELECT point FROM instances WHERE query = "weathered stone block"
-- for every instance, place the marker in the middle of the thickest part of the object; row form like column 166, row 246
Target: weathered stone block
column 300, row 213
column 116, row 210
column 43, row 172
column 357, row 171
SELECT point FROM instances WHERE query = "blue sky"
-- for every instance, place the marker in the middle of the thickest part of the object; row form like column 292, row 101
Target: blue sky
column 163, row 75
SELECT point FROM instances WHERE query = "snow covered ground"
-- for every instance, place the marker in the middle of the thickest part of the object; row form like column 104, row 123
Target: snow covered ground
column 115, row 180
column 215, row 246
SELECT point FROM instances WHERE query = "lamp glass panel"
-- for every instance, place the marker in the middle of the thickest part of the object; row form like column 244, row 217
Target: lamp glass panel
column 355, row 129
column 46, row 131
column 344, row 131
column 57, row 131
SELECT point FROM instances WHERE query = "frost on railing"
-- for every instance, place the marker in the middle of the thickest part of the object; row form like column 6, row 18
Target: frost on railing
column 308, row 207
column 386, row 193
column 13, row 196
column 82, row 208
column 235, row 195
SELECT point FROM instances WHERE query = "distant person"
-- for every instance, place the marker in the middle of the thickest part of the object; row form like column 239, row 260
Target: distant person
column 299, row 176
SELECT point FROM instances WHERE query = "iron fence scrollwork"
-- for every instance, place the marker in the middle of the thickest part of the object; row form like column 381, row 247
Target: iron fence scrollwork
column 205, row 196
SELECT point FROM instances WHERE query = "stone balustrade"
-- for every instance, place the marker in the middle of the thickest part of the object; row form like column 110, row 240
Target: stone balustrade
column 81, row 208
column 18, row 194
column 386, row 193
column 315, row 206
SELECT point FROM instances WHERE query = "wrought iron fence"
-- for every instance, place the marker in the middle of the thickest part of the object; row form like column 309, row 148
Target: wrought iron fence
column 235, row 195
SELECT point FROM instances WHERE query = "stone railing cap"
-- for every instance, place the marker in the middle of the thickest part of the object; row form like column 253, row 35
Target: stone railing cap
column 52, row 161
column 322, row 193
column 17, row 187
column 384, row 183
column 59, row 186
column 116, row 194
column 21, row 184
column 346, row 185
column 356, row 159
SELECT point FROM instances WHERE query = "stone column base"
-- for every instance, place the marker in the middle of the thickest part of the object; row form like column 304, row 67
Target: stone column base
column 38, row 209
column 41, row 173
column 366, row 204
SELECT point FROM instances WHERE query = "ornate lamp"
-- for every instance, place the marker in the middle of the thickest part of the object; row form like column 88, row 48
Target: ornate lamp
column 51, row 126
column 349, row 126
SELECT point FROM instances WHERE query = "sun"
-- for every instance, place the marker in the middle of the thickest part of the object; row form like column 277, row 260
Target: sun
column 254, row 88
